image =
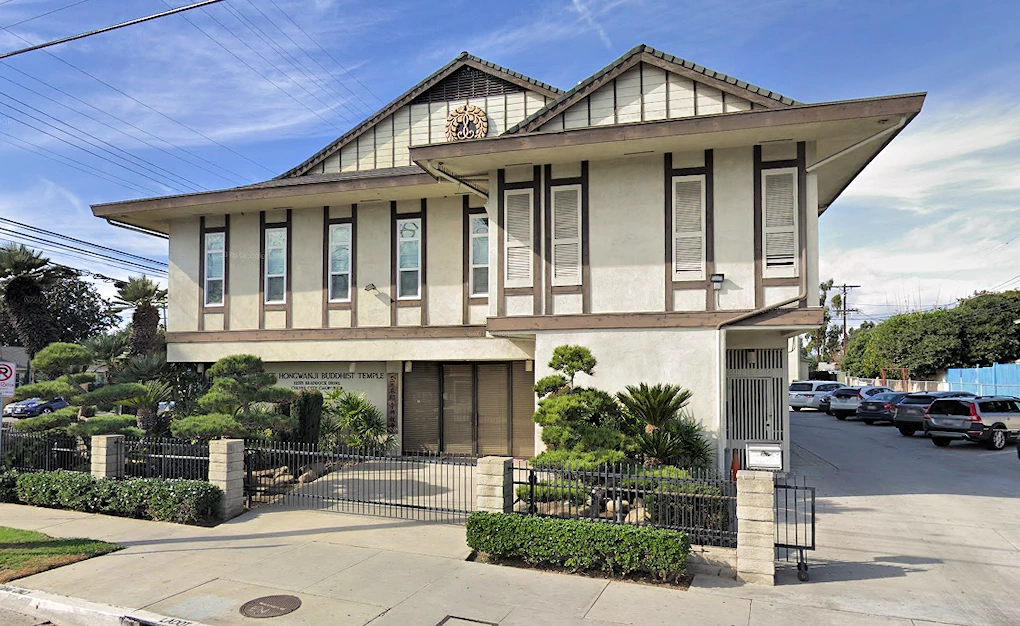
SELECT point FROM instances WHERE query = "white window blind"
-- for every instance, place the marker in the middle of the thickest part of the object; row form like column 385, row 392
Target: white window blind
column 518, row 218
column 566, row 235
column 479, row 255
column 276, row 266
column 215, row 257
column 340, row 262
column 409, row 259
column 779, row 223
column 689, row 227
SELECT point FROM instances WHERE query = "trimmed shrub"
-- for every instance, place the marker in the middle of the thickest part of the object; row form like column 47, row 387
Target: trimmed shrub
column 211, row 426
column 687, row 504
column 107, row 425
column 164, row 500
column 573, row 491
column 579, row 545
column 58, row 419
column 307, row 410
column 569, row 459
column 8, row 485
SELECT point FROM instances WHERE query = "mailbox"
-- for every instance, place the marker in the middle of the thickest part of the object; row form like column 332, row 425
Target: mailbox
column 764, row 455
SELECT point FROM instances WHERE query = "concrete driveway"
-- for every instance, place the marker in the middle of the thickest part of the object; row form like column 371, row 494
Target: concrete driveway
column 904, row 528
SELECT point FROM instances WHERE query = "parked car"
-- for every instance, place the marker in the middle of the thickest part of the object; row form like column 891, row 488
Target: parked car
column 879, row 407
column 33, row 407
column 908, row 416
column 990, row 420
column 844, row 402
column 808, row 394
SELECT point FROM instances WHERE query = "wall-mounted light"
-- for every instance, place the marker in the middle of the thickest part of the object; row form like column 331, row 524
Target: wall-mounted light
column 352, row 367
column 407, row 367
column 717, row 281
column 529, row 366
column 370, row 287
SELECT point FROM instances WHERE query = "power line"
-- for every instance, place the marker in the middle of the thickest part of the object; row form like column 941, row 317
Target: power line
column 124, row 264
column 63, row 253
column 153, row 109
column 106, row 29
column 94, row 245
column 51, row 12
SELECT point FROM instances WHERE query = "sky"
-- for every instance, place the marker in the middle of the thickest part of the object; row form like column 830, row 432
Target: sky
column 241, row 91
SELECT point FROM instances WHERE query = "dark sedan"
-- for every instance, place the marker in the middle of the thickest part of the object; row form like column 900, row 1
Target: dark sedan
column 34, row 407
column 879, row 407
column 908, row 416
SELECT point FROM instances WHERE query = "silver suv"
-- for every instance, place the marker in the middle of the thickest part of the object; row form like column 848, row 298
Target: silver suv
column 990, row 420
column 844, row 402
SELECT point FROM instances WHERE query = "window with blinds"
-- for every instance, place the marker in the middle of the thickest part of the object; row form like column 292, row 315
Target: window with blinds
column 215, row 268
column 566, row 235
column 779, row 223
column 340, row 262
column 689, row 227
column 276, row 266
column 420, row 427
column 518, row 219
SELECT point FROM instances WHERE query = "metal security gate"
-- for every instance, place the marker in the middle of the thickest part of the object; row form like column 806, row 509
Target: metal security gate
column 422, row 486
column 795, row 521
column 755, row 399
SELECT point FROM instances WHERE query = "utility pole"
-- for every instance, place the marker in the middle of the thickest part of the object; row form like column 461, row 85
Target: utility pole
column 844, row 288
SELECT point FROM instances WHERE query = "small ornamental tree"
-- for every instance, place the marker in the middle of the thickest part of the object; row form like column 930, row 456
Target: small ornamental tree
column 242, row 389
column 568, row 361
column 61, row 359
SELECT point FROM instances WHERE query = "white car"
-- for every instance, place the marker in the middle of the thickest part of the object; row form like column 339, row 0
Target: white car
column 808, row 394
column 844, row 402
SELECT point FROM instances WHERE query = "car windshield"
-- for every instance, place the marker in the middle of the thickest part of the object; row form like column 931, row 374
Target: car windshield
column 846, row 392
column 950, row 407
column 885, row 397
column 800, row 387
column 30, row 402
column 917, row 400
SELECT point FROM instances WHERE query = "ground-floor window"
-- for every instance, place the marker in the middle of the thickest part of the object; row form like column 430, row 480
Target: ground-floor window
column 469, row 408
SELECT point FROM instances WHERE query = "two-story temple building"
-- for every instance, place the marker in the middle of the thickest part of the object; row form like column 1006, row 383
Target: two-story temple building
column 660, row 213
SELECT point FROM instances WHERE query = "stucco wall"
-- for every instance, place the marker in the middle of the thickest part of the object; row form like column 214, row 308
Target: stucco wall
column 244, row 270
column 306, row 261
column 374, row 263
column 182, row 308
column 445, row 253
column 734, row 226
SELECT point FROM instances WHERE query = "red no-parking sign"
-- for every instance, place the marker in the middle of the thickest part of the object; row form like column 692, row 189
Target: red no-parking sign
column 7, row 371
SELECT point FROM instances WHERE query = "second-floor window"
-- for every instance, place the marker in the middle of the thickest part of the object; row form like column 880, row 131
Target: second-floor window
column 479, row 255
column 779, row 223
column 276, row 266
column 340, row 263
column 409, row 259
column 215, row 257
column 689, row 227
column 566, row 235
column 517, row 223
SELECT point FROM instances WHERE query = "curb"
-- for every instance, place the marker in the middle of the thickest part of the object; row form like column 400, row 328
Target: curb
column 68, row 611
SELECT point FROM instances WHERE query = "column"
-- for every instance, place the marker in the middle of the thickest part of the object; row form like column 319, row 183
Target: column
column 494, row 490
column 756, row 527
column 226, row 471
column 108, row 456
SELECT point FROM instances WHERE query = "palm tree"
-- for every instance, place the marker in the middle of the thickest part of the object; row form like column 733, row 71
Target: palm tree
column 108, row 350
column 655, row 405
column 147, row 403
column 24, row 276
column 144, row 296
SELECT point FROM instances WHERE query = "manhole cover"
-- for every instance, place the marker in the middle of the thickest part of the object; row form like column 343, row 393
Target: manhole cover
column 270, row 606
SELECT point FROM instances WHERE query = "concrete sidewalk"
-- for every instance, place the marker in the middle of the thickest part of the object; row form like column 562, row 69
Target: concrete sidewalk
column 358, row 570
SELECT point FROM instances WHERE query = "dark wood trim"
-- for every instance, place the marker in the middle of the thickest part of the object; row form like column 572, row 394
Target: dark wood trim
column 423, row 291
column 689, row 171
column 806, row 317
column 802, row 217
column 288, row 279
column 668, row 230
column 547, row 248
column 518, row 291
column 692, row 284
column 326, row 251
column 527, row 184
column 465, row 293
column 536, row 238
column 351, row 305
column 354, row 265
column 781, row 282
column 511, row 145
column 393, row 262
column 410, row 304
column 780, row 163
column 566, row 289
column 585, row 239
column 338, row 306
column 759, row 289
column 329, row 334
column 570, row 180
column 476, row 300
column 500, row 252
column 709, row 228
column 262, row 269
column 201, row 272
column 275, row 307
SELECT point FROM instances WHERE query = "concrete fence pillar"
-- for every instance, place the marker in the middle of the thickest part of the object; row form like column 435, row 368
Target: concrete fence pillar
column 108, row 456
column 756, row 527
column 494, row 484
column 226, row 471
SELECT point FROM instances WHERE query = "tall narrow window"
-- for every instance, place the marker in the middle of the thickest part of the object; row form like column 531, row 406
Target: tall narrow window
column 688, row 227
column 215, row 256
column 276, row 266
column 779, row 226
column 566, row 235
column 340, row 263
column 409, row 259
column 479, row 255
column 518, row 207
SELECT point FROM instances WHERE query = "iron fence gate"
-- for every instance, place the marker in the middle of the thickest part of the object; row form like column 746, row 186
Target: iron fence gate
column 426, row 486
column 795, row 521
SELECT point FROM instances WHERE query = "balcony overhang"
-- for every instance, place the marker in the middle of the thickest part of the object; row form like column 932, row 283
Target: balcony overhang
column 834, row 126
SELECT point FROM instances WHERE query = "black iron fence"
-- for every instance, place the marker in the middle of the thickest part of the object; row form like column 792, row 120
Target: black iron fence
column 166, row 458
column 701, row 504
column 424, row 486
column 795, row 520
column 37, row 452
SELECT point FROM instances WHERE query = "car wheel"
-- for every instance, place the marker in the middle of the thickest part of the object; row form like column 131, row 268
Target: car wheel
column 828, row 411
column 998, row 440
column 868, row 422
column 795, row 408
column 841, row 416
column 941, row 442
column 47, row 410
column 907, row 432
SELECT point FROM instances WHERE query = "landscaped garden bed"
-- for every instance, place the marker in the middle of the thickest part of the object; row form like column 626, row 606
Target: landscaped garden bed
column 26, row 552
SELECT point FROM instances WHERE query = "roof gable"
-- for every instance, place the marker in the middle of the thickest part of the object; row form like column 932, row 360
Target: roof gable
column 465, row 77
column 641, row 79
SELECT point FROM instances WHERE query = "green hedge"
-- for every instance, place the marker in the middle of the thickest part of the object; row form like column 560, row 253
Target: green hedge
column 164, row 500
column 573, row 491
column 8, row 485
column 580, row 544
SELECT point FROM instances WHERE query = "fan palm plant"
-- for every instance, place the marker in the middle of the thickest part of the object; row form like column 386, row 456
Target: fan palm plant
column 146, row 403
column 654, row 405
column 108, row 350
column 350, row 419
column 24, row 277
column 144, row 297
